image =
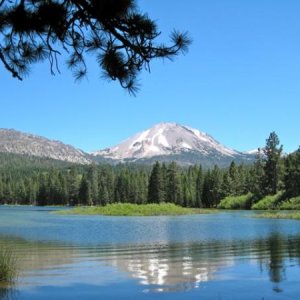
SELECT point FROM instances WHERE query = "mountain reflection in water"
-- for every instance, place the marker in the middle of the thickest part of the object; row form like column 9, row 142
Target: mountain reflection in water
column 157, row 267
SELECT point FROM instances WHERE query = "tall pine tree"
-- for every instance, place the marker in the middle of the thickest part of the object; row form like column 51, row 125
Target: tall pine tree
column 156, row 185
column 272, row 167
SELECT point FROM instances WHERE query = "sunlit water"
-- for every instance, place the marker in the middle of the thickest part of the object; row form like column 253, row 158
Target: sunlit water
column 228, row 255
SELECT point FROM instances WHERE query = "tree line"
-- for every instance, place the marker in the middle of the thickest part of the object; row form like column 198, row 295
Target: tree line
column 189, row 187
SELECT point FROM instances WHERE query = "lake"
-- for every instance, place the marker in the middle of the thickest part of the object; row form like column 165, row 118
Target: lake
column 222, row 256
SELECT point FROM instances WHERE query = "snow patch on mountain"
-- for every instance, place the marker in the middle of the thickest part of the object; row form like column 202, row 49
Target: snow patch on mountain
column 253, row 151
column 166, row 139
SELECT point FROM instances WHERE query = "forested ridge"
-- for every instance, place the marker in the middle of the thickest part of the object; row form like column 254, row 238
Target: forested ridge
column 46, row 182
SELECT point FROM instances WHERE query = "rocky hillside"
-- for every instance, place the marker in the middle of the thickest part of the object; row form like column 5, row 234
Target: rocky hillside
column 12, row 141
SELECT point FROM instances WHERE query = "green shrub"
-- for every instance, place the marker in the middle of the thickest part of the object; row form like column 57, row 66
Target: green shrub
column 293, row 203
column 268, row 202
column 8, row 265
column 236, row 202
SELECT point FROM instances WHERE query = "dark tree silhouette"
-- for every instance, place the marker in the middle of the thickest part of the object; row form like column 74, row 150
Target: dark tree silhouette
column 123, row 39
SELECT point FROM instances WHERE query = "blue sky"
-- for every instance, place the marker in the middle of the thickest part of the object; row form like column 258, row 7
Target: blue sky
column 239, row 81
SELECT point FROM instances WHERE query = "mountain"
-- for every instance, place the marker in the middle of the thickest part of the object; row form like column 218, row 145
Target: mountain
column 12, row 141
column 173, row 142
column 164, row 142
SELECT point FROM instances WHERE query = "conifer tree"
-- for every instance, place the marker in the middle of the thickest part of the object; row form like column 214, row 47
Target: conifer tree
column 92, row 177
column 272, row 168
column 142, row 183
column 256, row 177
column 63, row 188
column 233, row 178
column 292, row 174
column 242, row 173
column 227, row 185
column 103, row 191
column 191, row 184
column 186, row 195
column 85, row 193
column 122, row 189
column 173, row 185
column 31, row 190
column 1, row 190
column 199, row 188
column 155, row 187
column 21, row 193
column 73, row 179
column 43, row 190
column 212, row 187
column 164, row 182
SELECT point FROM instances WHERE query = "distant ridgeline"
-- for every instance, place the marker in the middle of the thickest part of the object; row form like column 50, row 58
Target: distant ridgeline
column 42, row 181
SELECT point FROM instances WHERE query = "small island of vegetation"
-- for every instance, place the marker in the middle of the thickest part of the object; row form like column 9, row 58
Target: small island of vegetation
column 129, row 209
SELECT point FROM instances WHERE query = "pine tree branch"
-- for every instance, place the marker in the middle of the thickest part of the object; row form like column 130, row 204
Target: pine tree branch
column 8, row 67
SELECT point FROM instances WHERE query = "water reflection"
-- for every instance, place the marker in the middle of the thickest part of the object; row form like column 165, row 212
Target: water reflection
column 38, row 256
column 166, row 267
column 8, row 293
column 276, row 265
column 158, row 267
column 186, row 266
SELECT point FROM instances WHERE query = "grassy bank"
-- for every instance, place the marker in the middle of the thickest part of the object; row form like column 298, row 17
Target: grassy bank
column 127, row 209
column 8, row 265
column 280, row 215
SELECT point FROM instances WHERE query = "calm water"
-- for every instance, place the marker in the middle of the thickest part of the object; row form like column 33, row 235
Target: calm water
column 219, row 256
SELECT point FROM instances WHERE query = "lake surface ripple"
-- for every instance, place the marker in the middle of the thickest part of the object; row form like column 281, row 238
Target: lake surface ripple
column 228, row 255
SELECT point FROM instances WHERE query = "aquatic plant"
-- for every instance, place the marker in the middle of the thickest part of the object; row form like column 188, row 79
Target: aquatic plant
column 8, row 265
column 280, row 215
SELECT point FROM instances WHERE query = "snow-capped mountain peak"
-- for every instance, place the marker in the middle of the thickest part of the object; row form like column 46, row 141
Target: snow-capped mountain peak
column 166, row 139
